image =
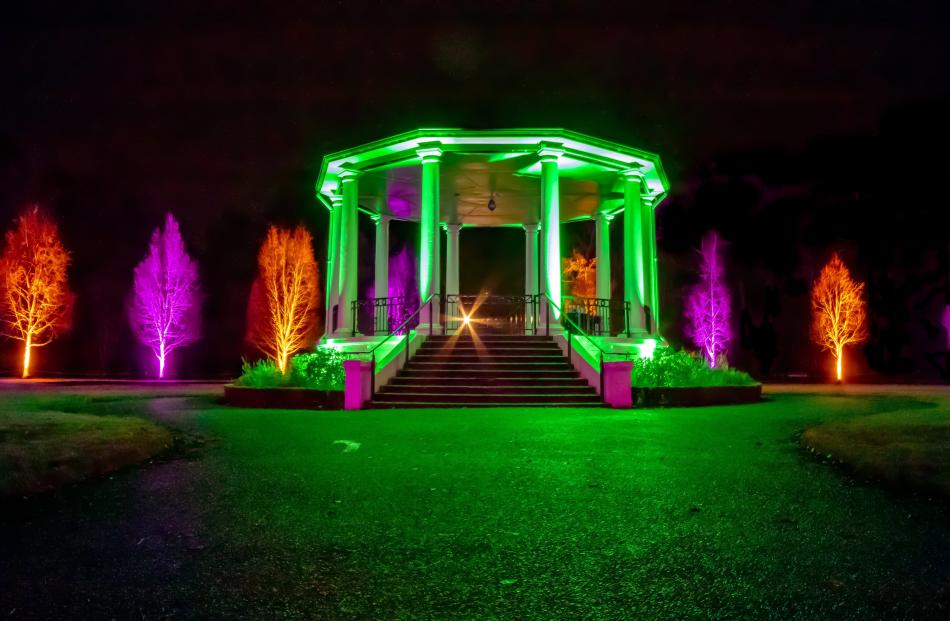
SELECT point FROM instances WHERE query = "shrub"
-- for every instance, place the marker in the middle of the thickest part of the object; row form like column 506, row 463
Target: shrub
column 680, row 369
column 262, row 374
column 319, row 370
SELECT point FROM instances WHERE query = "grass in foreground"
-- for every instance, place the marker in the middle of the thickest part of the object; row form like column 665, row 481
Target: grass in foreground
column 42, row 447
column 508, row 513
column 904, row 448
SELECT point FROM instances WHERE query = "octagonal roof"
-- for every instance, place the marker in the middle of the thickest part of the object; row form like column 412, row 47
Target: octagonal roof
column 501, row 164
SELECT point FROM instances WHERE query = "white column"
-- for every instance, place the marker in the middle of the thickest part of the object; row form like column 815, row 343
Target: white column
column 451, row 272
column 602, row 235
column 633, row 253
column 431, row 156
column 333, row 266
column 381, row 286
column 651, row 292
column 551, row 228
column 452, row 258
column 349, row 232
column 530, row 274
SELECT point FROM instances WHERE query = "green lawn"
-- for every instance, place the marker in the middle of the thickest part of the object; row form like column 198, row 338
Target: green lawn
column 503, row 513
column 907, row 449
column 48, row 442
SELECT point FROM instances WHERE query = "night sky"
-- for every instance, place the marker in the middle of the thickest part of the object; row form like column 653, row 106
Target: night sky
column 795, row 132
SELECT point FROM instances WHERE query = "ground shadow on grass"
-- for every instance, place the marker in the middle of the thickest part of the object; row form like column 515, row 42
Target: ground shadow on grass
column 904, row 445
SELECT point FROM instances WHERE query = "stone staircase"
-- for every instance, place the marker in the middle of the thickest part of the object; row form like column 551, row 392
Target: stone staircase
column 492, row 370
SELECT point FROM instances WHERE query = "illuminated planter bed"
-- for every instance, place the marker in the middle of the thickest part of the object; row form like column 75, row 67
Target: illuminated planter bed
column 283, row 398
column 695, row 396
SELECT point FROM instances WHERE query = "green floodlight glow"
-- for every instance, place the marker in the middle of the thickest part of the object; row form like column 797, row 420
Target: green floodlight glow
column 647, row 347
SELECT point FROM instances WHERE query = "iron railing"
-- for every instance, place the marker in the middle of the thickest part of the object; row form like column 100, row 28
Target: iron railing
column 378, row 315
column 508, row 314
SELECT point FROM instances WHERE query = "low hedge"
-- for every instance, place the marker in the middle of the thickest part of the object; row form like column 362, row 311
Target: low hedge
column 681, row 379
column 283, row 398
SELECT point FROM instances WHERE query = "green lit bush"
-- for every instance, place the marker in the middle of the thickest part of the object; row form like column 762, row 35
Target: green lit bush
column 262, row 374
column 319, row 370
column 679, row 369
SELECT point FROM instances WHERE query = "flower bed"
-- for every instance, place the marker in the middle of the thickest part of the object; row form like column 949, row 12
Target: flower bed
column 311, row 381
column 679, row 379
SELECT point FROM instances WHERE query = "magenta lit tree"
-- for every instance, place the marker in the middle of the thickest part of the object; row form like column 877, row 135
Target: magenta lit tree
column 707, row 304
column 164, row 307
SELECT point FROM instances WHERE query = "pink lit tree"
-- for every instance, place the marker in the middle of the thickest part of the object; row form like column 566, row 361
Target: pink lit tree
column 164, row 308
column 707, row 304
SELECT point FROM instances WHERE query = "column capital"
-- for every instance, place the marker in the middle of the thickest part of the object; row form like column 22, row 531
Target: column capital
column 430, row 152
column 633, row 173
column 336, row 200
column 550, row 151
column 531, row 227
column 603, row 215
column 380, row 218
column 451, row 227
column 348, row 174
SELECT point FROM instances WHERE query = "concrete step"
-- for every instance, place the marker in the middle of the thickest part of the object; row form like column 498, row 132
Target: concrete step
column 425, row 397
column 486, row 374
column 421, row 357
column 524, row 389
column 388, row 405
column 498, row 366
column 471, row 347
column 469, row 380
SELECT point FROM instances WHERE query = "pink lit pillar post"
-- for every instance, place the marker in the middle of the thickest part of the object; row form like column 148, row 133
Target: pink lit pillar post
column 358, row 383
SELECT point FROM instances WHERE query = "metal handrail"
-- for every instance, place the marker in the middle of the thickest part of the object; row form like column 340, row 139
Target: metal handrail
column 381, row 308
column 600, row 308
column 589, row 340
column 392, row 333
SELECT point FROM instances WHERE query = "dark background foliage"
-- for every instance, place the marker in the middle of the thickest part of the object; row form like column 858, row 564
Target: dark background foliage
column 793, row 129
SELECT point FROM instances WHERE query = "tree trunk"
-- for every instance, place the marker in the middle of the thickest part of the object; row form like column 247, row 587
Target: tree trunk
column 839, row 354
column 26, row 355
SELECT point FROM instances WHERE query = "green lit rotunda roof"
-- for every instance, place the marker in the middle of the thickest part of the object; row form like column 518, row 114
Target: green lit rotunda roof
column 477, row 165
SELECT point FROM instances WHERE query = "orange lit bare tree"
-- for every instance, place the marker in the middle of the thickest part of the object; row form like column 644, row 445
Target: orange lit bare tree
column 37, row 303
column 580, row 274
column 282, row 314
column 838, row 311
